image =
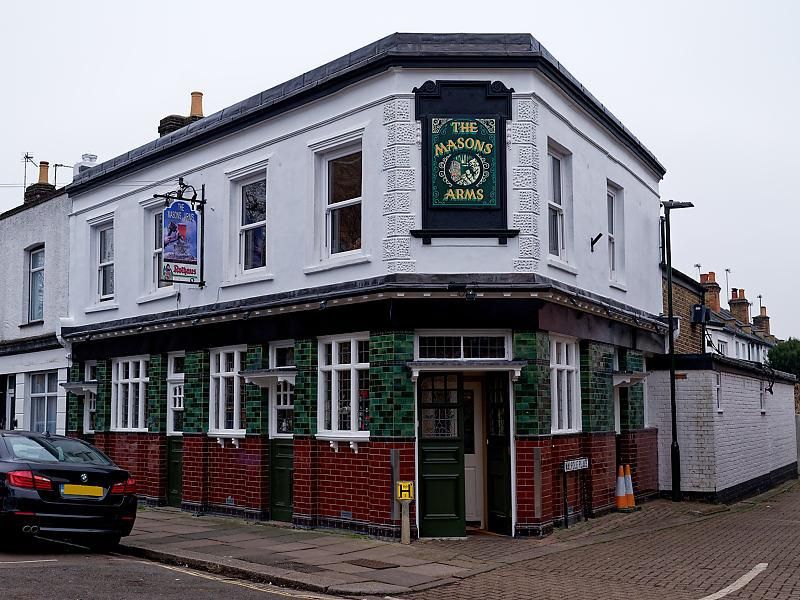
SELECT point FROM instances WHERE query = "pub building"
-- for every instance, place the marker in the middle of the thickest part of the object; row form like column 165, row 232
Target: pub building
column 435, row 259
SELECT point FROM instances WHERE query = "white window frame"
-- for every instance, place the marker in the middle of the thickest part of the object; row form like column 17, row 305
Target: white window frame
column 570, row 371
column 137, row 422
column 331, row 208
column 99, row 229
column 217, row 402
column 722, row 345
column 462, row 333
column 31, row 271
column 762, row 398
column 48, row 396
column 718, row 390
column 337, row 369
column 243, row 229
column 89, row 398
column 175, row 393
column 279, row 389
column 558, row 207
column 156, row 245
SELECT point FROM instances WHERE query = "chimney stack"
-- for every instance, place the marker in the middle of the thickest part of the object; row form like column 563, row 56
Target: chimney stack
column 172, row 123
column 709, row 282
column 87, row 162
column 761, row 322
column 740, row 307
column 41, row 189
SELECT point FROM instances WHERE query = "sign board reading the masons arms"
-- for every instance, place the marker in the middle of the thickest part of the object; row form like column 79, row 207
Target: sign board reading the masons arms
column 464, row 162
column 181, row 243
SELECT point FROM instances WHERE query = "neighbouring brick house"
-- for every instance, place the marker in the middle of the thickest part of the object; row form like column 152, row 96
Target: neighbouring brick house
column 398, row 285
column 736, row 426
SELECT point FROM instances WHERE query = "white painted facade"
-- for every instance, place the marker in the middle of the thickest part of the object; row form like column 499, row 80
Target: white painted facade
column 726, row 445
column 42, row 225
column 729, row 344
column 377, row 115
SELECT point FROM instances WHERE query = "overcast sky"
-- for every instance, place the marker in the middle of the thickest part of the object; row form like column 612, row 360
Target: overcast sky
column 710, row 87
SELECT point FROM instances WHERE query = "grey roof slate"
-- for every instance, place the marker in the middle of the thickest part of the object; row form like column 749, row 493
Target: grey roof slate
column 509, row 50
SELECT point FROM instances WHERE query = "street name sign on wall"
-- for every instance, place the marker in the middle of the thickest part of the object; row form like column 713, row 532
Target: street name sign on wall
column 181, row 243
column 463, row 154
column 576, row 464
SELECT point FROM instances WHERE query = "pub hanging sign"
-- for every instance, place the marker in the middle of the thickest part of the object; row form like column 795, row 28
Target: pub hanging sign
column 464, row 162
column 181, row 248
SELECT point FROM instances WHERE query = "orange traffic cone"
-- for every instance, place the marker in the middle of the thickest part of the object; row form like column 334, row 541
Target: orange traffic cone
column 621, row 499
column 630, row 500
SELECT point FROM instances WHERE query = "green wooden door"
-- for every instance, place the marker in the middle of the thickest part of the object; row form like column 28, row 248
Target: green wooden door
column 498, row 454
column 441, row 456
column 174, row 470
column 281, row 479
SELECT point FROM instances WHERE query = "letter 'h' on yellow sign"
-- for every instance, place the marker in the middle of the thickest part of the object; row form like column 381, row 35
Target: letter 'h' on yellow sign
column 405, row 490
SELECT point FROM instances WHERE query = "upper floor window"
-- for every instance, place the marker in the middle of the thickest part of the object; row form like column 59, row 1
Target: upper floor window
column 611, row 202
column 723, row 348
column 44, row 401
column 157, row 246
column 344, row 384
column 555, row 209
column 227, row 390
column 175, row 378
column 253, row 224
column 343, row 206
column 105, row 261
column 564, row 385
column 129, row 378
column 36, row 284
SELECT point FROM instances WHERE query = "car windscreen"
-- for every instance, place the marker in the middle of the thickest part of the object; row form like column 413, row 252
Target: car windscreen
column 43, row 450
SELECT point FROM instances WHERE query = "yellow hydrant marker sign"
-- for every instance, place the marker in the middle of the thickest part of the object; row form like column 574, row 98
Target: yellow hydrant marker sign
column 405, row 490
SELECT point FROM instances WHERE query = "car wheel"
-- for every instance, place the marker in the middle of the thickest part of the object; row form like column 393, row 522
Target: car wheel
column 106, row 543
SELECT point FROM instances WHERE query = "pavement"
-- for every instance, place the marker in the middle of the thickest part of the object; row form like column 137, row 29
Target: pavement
column 356, row 566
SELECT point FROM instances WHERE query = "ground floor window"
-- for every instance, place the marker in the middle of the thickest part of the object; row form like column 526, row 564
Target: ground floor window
column 175, row 377
column 281, row 357
column 227, row 390
column 129, row 378
column 44, row 401
column 564, row 385
column 447, row 346
column 344, row 384
column 89, row 412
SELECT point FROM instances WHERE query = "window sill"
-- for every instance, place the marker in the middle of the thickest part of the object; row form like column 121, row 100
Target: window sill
column 132, row 430
column 763, row 412
column 101, row 307
column 234, row 435
column 282, row 436
column 618, row 285
column 244, row 279
column 559, row 264
column 565, row 432
column 161, row 293
column 336, row 263
column 174, row 434
column 37, row 323
column 337, row 437
column 720, row 411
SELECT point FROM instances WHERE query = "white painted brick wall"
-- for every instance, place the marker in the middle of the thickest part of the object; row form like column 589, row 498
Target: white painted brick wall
column 721, row 449
column 751, row 443
column 695, row 428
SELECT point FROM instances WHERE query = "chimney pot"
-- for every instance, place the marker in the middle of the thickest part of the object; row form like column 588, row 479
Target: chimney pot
column 734, row 293
column 703, row 278
column 741, row 294
column 712, row 276
column 763, row 311
column 44, row 168
column 197, row 105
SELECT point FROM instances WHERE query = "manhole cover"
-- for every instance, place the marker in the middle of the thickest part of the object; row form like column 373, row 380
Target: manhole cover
column 372, row 564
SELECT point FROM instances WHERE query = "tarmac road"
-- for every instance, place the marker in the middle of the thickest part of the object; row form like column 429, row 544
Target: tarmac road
column 55, row 571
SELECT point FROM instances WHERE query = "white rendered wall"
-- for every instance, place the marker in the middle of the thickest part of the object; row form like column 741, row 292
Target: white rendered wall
column 696, row 428
column 381, row 108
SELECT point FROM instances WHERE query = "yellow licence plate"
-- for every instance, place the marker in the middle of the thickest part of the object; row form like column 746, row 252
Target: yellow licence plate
column 92, row 491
